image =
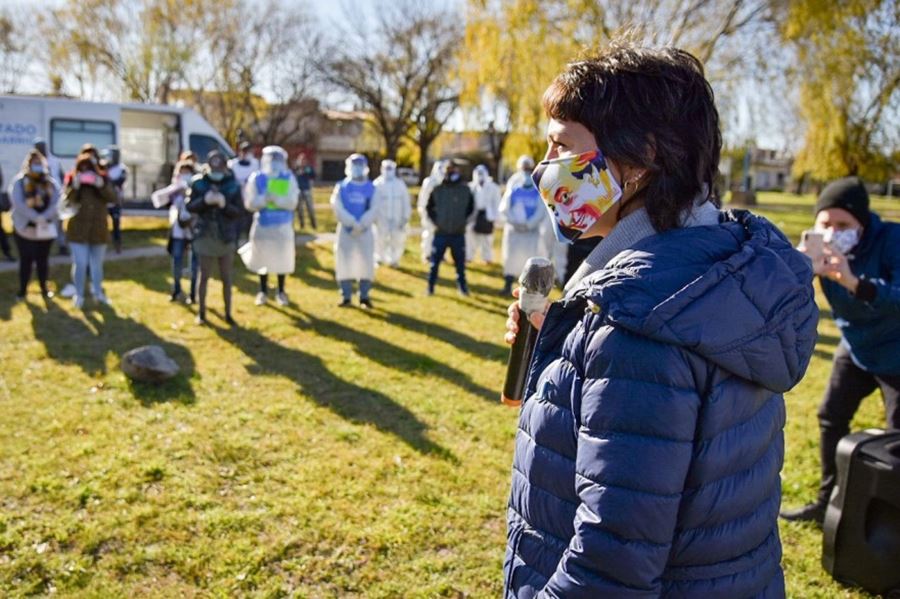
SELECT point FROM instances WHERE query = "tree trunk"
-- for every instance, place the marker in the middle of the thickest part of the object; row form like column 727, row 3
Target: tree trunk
column 424, row 145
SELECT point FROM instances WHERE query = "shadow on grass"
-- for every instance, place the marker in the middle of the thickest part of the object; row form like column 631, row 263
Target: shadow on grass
column 823, row 354
column 177, row 389
column 395, row 357
column 479, row 349
column 86, row 342
column 826, row 339
column 316, row 381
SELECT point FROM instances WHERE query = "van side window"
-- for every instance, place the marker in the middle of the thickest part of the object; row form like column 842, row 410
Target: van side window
column 201, row 145
column 68, row 135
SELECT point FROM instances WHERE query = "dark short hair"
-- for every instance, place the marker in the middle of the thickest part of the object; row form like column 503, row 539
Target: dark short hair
column 650, row 108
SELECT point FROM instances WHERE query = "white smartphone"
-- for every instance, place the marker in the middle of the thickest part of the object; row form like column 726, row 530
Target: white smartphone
column 813, row 245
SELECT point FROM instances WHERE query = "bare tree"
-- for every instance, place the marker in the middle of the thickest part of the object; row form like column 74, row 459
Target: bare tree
column 142, row 47
column 256, row 76
column 429, row 120
column 398, row 71
column 13, row 56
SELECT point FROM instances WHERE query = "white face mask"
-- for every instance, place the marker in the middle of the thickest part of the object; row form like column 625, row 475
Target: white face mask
column 357, row 171
column 843, row 241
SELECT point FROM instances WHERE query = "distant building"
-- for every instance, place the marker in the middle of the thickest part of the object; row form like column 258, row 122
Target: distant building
column 770, row 169
column 458, row 143
column 342, row 133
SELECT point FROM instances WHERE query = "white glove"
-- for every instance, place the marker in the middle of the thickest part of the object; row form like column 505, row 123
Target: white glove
column 211, row 197
column 221, row 201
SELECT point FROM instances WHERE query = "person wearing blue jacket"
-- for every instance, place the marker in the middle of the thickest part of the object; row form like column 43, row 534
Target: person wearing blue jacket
column 650, row 441
column 860, row 276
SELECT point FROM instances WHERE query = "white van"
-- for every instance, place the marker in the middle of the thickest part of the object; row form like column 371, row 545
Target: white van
column 149, row 136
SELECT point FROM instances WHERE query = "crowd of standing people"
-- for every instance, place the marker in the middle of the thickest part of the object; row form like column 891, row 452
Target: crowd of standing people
column 219, row 208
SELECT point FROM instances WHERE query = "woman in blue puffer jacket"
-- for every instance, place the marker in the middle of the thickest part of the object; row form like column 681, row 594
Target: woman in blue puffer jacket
column 650, row 440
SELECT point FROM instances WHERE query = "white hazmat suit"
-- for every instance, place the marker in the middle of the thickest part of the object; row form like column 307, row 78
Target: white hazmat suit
column 271, row 194
column 523, row 211
column 394, row 209
column 438, row 171
column 487, row 207
column 355, row 207
column 243, row 167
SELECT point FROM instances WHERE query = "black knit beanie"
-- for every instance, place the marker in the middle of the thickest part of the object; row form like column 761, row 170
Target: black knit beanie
column 848, row 194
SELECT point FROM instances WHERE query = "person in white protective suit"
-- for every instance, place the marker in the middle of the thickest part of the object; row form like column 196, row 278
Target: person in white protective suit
column 271, row 194
column 480, row 233
column 523, row 211
column 438, row 172
column 394, row 208
column 355, row 206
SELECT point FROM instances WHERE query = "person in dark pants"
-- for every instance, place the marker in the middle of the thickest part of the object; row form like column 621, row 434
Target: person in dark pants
column 35, row 198
column 305, row 175
column 449, row 207
column 56, row 172
column 860, row 276
column 215, row 197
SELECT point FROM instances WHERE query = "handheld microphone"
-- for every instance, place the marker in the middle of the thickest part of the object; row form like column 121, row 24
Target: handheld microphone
column 534, row 287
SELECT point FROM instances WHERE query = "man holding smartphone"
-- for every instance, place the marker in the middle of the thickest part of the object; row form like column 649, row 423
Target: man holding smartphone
column 857, row 258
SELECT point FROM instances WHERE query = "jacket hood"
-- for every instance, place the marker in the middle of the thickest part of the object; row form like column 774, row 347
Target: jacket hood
column 736, row 293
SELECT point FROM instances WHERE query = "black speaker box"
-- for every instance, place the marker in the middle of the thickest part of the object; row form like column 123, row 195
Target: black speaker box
column 861, row 543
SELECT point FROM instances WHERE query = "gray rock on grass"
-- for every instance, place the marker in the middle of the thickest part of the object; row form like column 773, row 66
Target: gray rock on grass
column 149, row 364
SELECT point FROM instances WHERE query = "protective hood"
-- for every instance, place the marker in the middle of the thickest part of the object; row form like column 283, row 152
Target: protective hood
column 736, row 293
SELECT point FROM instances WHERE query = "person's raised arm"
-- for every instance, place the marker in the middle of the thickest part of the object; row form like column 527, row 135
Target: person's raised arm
column 882, row 294
column 163, row 197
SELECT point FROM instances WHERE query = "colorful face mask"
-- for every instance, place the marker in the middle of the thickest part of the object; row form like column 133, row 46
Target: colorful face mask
column 577, row 190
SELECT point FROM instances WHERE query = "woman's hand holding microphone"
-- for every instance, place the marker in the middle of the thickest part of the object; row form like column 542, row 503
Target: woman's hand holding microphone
column 512, row 322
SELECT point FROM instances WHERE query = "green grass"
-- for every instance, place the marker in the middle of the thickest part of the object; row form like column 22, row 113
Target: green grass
column 315, row 451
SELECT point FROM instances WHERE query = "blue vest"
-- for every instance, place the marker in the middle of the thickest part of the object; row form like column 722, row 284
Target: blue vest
column 272, row 216
column 356, row 197
column 528, row 197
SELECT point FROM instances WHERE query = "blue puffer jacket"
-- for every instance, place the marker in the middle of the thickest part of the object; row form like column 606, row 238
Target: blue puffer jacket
column 650, row 442
column 871, row 329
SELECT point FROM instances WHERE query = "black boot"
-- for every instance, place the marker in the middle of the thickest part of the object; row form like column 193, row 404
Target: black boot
column 811, row 512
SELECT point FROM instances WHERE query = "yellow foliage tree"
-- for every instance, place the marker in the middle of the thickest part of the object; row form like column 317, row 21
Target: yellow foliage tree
column 849, row 77
column 514, row 48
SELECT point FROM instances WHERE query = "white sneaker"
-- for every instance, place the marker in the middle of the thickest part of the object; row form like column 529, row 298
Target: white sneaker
column 282, row 298
column 68, row 290
column 102, row 299
column 261, row 299
column 78, row 302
